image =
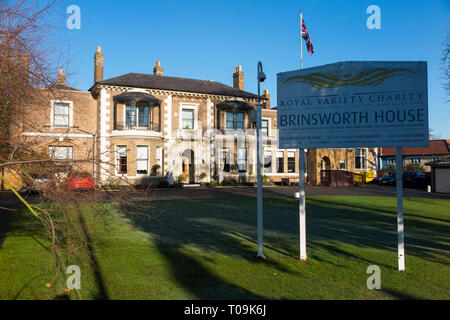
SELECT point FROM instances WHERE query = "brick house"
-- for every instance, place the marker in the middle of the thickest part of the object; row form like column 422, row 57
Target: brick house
column 142, row 125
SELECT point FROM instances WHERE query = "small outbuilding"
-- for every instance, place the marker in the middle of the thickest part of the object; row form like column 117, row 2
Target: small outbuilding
column 440, row 175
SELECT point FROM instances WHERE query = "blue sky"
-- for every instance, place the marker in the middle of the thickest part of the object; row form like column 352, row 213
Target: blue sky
column 207, row 39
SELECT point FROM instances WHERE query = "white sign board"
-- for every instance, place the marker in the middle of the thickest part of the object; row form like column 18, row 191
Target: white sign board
column 354, row 104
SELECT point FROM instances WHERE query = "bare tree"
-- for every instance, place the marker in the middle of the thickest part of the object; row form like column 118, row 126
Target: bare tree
column 26, row 81
column 445, row 65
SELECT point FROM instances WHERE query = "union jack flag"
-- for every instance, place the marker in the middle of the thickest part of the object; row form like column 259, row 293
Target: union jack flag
column 305, row 36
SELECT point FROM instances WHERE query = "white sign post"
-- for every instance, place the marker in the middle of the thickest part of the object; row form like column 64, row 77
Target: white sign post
column 353, row 105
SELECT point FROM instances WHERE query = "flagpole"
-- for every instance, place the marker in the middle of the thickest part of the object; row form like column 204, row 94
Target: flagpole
column 301, row 39
column 301, row 172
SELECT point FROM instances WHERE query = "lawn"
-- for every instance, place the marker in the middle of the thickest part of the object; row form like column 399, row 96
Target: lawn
column 205, row 249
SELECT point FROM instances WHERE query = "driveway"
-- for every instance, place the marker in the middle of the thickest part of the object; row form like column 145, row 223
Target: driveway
column 231, row 192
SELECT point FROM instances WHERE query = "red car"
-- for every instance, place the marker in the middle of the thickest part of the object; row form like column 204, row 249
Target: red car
column 81, row 181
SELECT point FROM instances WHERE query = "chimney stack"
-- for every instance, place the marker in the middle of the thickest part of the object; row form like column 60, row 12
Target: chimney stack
column 158, row 70
column 98, row 65
column 238, row 78
column 266, row 103
column 61, row 77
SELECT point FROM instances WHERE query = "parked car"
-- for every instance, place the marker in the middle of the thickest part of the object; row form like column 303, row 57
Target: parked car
column 415, row 179
column 81, row 181
column 388, row 178
column 40, row 182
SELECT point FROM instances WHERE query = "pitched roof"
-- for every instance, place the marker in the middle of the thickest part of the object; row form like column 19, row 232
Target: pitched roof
column 60, row 86
column 149, row 81
column 436, row 147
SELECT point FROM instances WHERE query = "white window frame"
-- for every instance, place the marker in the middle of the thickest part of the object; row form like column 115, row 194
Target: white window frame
column 52, row 113
column 270, row 169
column 190, row 106
column 280, row 152
column 364, row 167
column 345, row 164
column 390, row 160
column 148, row 160
column 240, row 159
column 416, row 160
column 52, row 153
column 287, row 158
column 269, row 126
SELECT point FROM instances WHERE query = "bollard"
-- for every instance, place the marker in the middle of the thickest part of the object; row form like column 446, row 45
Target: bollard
column 428, row 188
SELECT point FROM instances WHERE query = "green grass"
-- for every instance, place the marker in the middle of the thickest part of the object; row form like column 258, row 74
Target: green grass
column 205, row 249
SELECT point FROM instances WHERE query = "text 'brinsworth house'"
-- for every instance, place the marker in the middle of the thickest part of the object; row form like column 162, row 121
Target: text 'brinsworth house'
column 138, row 126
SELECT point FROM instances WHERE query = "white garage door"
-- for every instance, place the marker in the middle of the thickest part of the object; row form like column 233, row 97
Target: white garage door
column 442, row 178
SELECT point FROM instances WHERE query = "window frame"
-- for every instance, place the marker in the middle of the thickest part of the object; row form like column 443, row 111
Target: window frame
column 53, row 104
column 53, row 153
column 183, row 118
column 224, row 164
column 244, row 159
column 265, row 130
column 363, row 158
column 278, row 161
column 190, row 106
column 118, row 160
column 268, row 168
column 142, row 159
column 289, row 163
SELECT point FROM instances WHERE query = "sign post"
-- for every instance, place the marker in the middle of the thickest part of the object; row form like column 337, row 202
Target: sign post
column 302, row 204
column 354, row 105
column 400, row 226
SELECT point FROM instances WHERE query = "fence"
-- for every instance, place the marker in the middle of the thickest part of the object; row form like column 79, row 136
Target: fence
column 340, row 178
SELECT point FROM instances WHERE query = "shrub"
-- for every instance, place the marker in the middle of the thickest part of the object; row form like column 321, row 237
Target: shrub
column 213, row 183
column 181, row 178
column 155, row 169
column 202, row 175
column 232, row 182
column 266, row 181
column 163, row 184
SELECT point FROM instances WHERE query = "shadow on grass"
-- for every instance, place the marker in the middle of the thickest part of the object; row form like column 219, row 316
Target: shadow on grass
column 98, row 274
column 228, row 227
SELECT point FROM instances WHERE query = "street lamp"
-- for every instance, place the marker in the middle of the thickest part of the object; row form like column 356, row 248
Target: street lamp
column 260, row 77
